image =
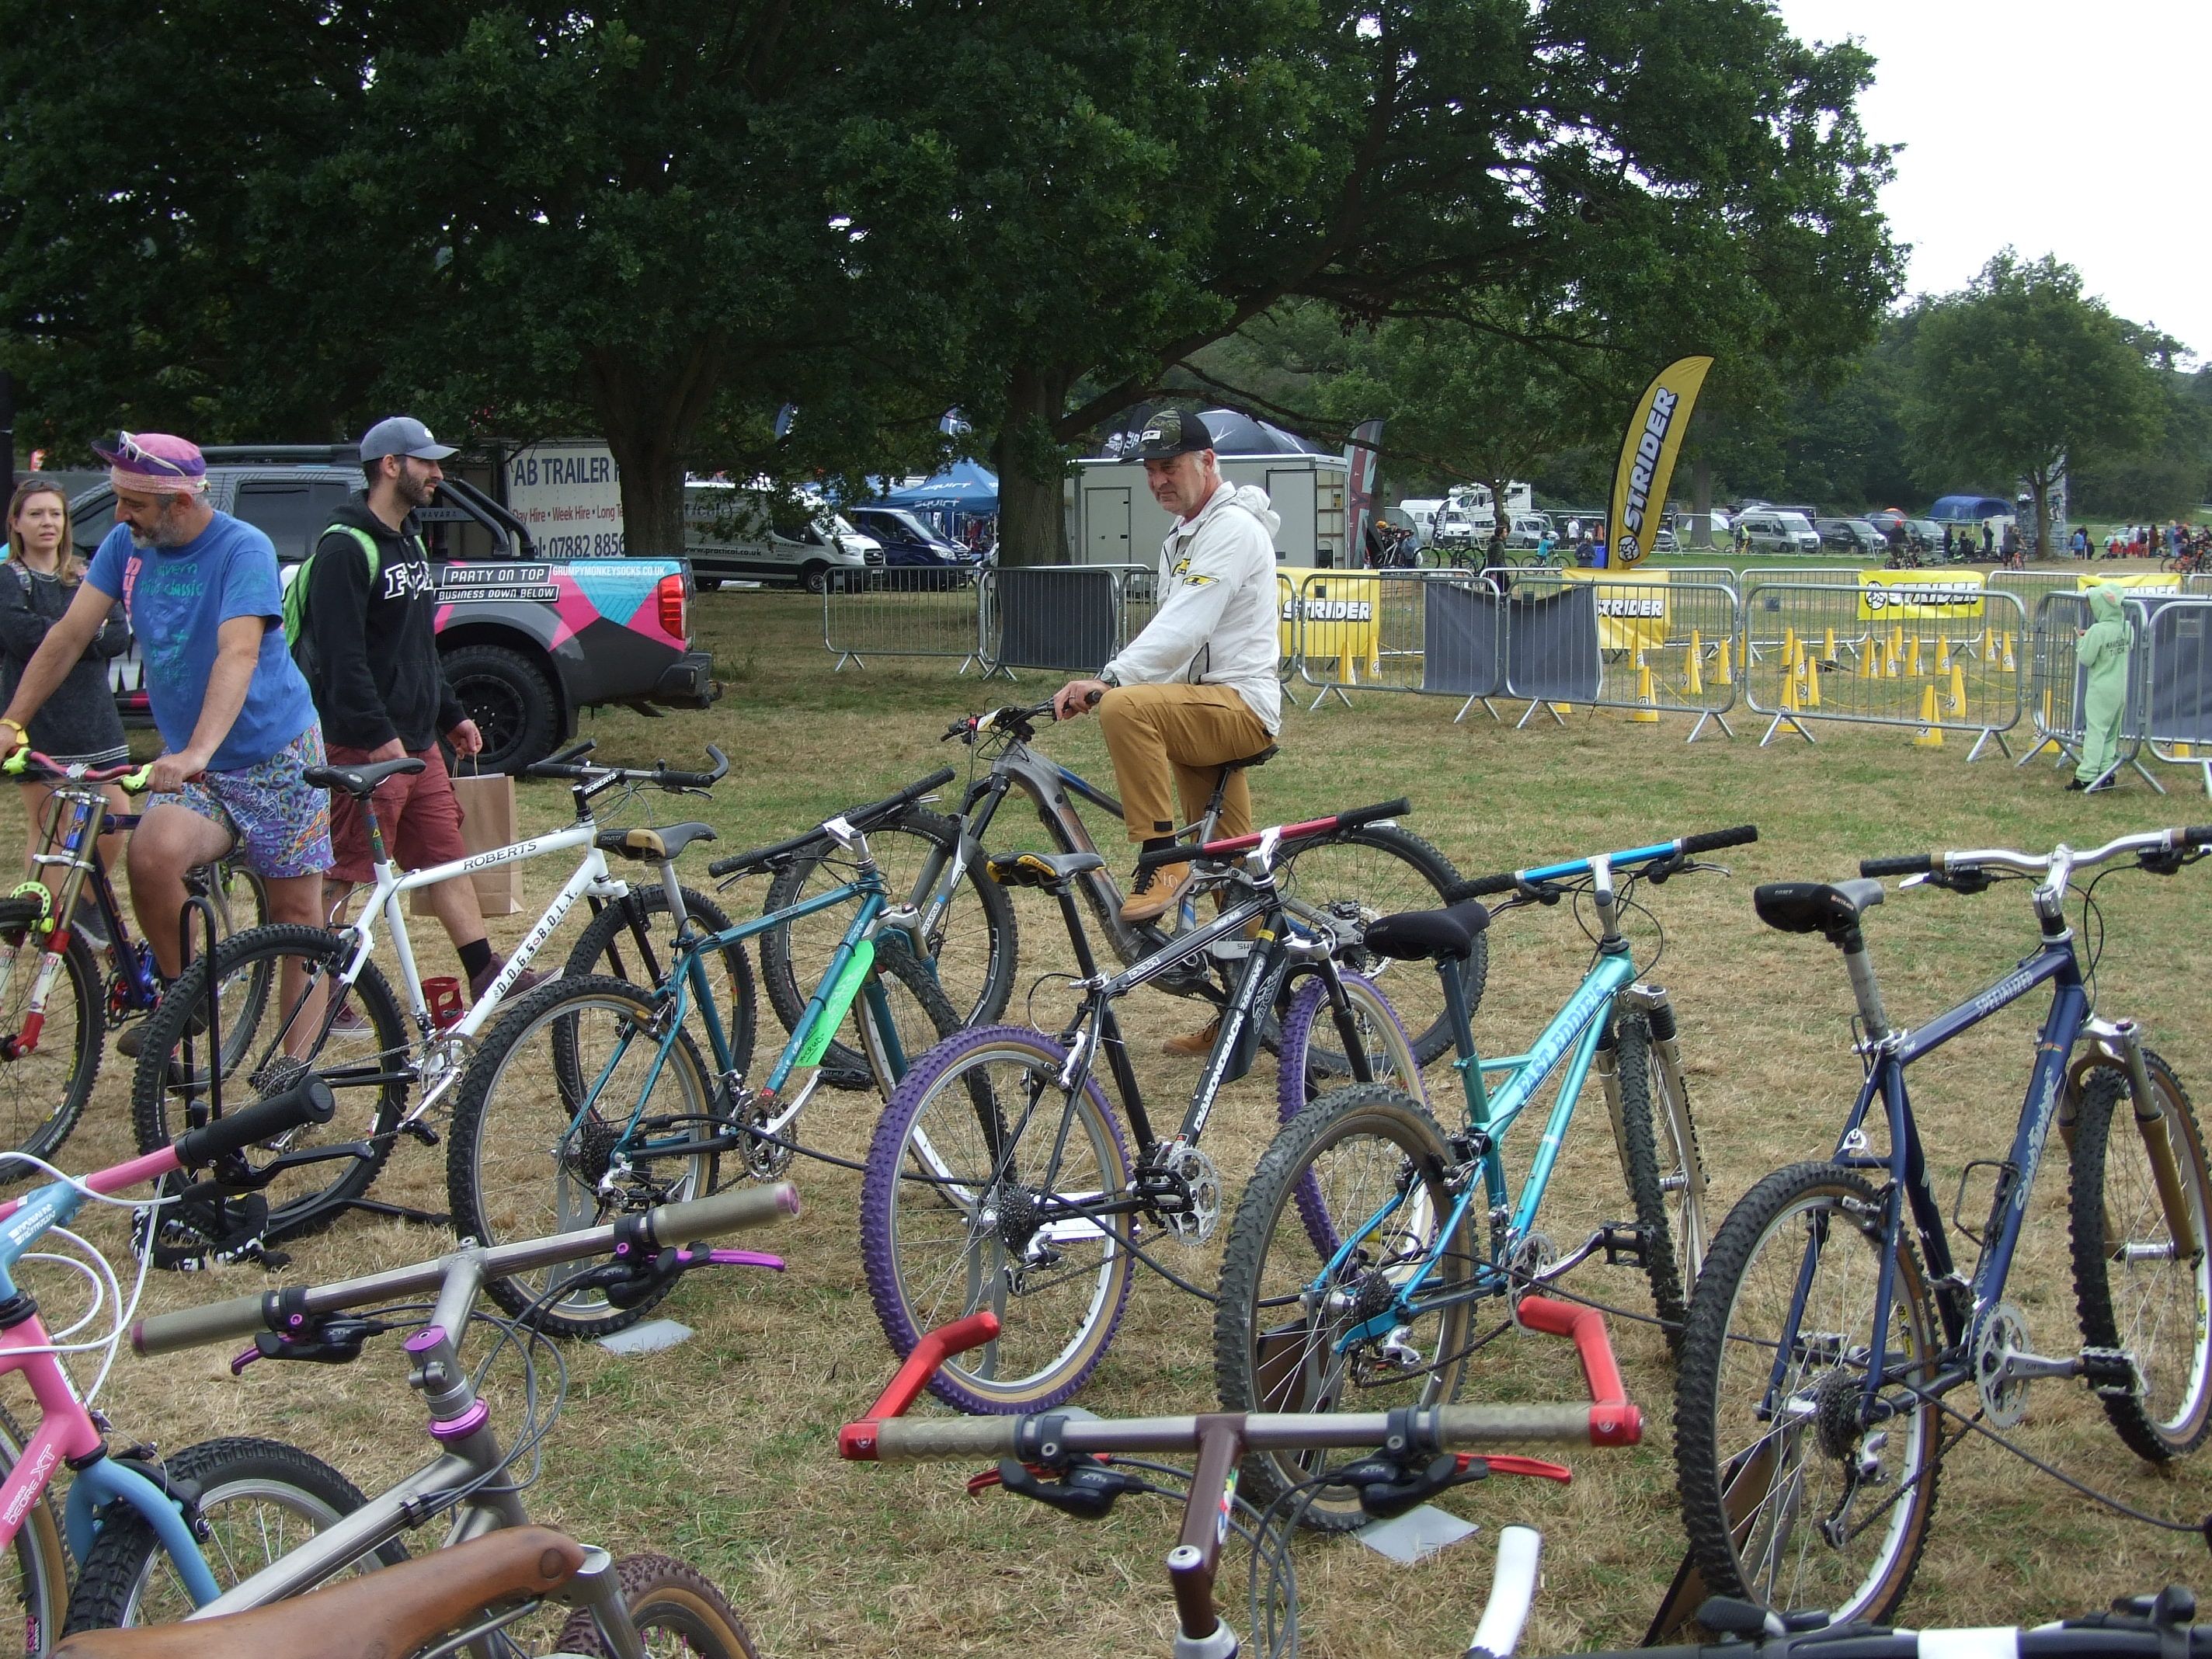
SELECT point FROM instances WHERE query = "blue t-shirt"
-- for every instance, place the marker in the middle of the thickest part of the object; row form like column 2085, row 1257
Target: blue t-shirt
column 177, row 598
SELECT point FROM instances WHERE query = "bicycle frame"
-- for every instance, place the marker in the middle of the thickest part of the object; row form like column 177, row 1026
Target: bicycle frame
column 134, row 988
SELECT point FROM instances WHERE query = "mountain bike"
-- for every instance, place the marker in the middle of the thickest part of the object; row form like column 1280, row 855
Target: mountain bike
column 236, row 1486
column 296, row 998
column 1349, row 878
column 999, row 1178
column 1082, row 1465
column 594, row 1097
column 473, row 1481
column 70, row 969
column 1830, row 1322
column 1367, row 1234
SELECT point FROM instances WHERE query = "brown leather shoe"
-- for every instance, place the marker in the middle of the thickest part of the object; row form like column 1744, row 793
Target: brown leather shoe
column 1195, row 1044
column 1153, row 893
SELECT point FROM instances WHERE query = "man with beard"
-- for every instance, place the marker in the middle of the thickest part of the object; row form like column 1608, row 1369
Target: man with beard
column 238, row 727
column 369, row 647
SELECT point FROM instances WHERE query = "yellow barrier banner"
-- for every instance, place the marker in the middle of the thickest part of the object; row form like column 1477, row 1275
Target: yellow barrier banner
column 1342, row 614
column 1647, row 457
column 1913, row 595
column 1634, row 607
column 2142, row 581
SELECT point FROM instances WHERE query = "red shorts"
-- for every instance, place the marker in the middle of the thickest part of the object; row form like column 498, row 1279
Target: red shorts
column 417, row 813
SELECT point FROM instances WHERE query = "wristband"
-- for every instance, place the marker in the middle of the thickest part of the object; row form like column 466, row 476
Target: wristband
column 21, row 731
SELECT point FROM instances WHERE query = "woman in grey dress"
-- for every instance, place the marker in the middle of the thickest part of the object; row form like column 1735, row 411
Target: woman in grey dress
column 38, row 580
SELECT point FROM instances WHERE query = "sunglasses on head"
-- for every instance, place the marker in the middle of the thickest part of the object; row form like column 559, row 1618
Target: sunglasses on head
column 127, row 445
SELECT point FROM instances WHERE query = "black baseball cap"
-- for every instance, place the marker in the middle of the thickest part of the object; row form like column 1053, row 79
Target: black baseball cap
column 1170, row 432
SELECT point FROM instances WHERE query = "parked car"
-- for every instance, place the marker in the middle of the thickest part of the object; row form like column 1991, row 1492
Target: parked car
column 527, row 643
column 1771, row 530
column 751, row 533
column 1850, row 535
column 1524, row 529
column 914, row 556
column 1926, row 532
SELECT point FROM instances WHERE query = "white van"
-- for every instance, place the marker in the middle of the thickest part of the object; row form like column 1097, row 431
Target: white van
column 1771, row 530
column 734, row 533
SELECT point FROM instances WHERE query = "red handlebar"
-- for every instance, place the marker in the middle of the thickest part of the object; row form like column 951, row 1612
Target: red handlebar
column 1613, row 1421
column 857, row 1440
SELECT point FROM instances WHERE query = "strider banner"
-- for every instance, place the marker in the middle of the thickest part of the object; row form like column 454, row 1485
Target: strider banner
column 1647, row 456
column 1634, row 611
column 2136, row 584
column 1910, row 595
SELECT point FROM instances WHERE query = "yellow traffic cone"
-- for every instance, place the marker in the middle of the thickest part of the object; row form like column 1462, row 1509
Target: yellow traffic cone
column 1942, row 654
column 1958, row 688
column 1871, row 659
column 1931, row 734
column 1788, row 649
column 1912, row 658
column 2010, row 667
column 2048, row 743
column 1693, row 682
column 1722, row 675
column 1897, row 643
column 1789, row 703
column 2182, row 752
column 1892, row 659
column 1989, row 645
column 1809, row 695
column 1828, row 645
column 1646, row 712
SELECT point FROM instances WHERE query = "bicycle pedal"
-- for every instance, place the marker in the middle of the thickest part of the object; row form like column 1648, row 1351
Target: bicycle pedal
column 1624, row 1244
column 419, row 1131
column 2112, row 1372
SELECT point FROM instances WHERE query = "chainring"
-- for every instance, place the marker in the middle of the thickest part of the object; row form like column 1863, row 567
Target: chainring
column 2003, row 1332
column 1199, row 1184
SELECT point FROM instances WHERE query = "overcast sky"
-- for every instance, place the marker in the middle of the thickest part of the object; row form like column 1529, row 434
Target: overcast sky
column 2070, row 129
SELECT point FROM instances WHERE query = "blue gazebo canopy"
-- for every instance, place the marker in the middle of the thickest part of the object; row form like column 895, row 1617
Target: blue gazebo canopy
column 963, row 487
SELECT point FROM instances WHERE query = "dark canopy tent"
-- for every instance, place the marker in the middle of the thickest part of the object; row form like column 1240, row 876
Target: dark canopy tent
column 1969, row 509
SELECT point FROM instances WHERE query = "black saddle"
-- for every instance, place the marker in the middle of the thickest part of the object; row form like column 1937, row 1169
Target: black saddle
column 1041, row 869
column 653, row 845
column 1815, row 907
column 1420, row 935
column 361, row 780
column 1260, row 759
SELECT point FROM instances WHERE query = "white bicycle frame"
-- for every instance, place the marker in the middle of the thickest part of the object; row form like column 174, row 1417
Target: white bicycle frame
column 592, row 878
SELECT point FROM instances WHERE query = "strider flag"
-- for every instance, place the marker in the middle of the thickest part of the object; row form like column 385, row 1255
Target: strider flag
column 1647, row 456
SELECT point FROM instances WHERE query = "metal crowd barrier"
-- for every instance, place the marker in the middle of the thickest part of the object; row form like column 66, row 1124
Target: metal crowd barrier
column 1653, row 645
column 2177, row 651
column 1368, row 629
column 1948, row 657
column 1067, row 617
column 883, row 613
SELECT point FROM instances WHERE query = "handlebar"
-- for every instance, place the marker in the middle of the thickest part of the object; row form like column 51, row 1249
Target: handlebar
column 670, row 1225
column 1710, row 840
column 659, row 775
column 1011, row 720
column 860, row 818
column 307, row 1101
column 28, row 763
column 2059, row 864
column 1184, row 851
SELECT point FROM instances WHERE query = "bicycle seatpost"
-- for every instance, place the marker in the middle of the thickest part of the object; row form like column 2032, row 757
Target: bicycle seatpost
column 1858, row 962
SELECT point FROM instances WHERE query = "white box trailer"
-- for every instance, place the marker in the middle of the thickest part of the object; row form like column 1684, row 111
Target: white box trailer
column 1113, row 519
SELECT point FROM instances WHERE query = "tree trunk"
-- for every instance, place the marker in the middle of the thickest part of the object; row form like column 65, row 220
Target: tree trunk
column 1032, row 470
column 1701, row 505
column 648, row 414
column 2040, row 481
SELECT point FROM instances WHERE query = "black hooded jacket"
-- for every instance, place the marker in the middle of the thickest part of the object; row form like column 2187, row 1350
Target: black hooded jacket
column 376, row 674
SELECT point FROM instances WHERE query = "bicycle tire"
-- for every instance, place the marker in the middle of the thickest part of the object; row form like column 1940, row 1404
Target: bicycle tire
column 2115, row 1276
column 1391, row 869
column 1307, row 1070
column 668, row 1596
column 949, row 1116
column 796, row 954
column 1284, row 1305
column 127, row 1580
column 373, row 1056
column 35, row 1582
column 1823, row 1204
column 1657, row 1161
column 922, row 1015
column 43, row 1093
column 605, row 945
column 539, row 1167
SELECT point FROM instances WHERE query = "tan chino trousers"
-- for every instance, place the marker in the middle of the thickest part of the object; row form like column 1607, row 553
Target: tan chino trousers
column 1186, row 733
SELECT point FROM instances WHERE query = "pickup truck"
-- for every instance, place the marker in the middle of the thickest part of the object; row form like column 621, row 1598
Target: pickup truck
column 527, row 642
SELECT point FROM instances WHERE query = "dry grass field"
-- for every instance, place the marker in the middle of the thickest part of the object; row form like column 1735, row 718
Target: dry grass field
column 720, row 1450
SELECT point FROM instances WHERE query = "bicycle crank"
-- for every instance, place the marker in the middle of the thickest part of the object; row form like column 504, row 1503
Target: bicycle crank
column 1186, row 1189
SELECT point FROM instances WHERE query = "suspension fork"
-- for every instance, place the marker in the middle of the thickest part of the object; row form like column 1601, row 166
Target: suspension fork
column 2123, row 1038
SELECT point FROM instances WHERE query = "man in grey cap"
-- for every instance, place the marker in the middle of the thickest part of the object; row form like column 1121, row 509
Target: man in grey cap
column 370, row 653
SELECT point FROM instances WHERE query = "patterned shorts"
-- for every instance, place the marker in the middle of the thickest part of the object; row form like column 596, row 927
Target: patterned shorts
column 282, row 822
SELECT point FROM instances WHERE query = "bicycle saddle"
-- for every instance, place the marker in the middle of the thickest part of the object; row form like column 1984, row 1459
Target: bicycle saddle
column 392, row 1610
column 1260, row 759
column 652, row 846
column 1417, row 935
column 1041, row 869
column 1815, row 907
column 363, row 778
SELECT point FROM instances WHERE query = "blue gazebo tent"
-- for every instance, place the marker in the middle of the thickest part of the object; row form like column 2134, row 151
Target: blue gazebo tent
column 1969, row 509
column 963, row 487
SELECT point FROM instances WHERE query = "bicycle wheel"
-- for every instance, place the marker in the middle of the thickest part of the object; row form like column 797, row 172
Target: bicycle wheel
column 972, row 946
column 903, row 1015
column 1666, row 1181
column 1791, row 1498
column 2135, row 1198
column 1314, row 1056
column 1381, row 1167
column 1377, row 869
column 675, row 1608
column 607, row 946
column 284, row 1010
column 573, row 1075
column 259, row 1498
column 973, row 1144
column 34, row 1582
column 47, row 1070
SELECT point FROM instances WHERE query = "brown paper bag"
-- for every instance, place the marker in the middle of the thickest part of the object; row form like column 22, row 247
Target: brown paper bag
column 487, row 803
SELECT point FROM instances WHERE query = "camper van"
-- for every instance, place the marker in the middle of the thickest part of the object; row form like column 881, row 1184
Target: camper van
column 748, row 532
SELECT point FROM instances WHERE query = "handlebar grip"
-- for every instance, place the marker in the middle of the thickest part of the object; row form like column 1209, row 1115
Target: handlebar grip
column 934, row 781
column 1481, row 887
column 762, row 857
column 668, row 778
column 1908, row 864
column 1375, row 814
column 724, row 1213
column 574, row 752
column 2198, row 835
column 189, row 1328
column 307, row 1101
column 1182, row 853
column 1713, row 840
column 904, row 1440
column 1468, row 1426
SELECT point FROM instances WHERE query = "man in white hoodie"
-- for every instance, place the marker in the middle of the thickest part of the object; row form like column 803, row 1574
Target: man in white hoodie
column 1197, row 689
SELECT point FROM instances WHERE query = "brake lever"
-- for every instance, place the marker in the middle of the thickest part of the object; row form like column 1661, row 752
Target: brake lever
column 330, row 1342
column 1087, row 1489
